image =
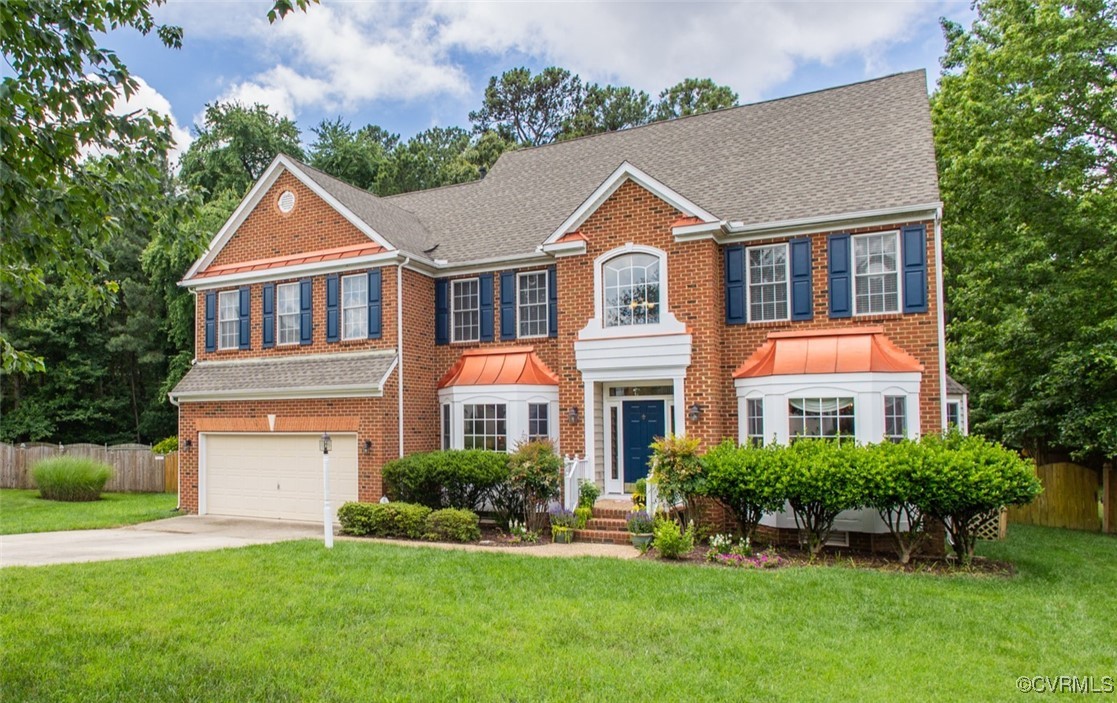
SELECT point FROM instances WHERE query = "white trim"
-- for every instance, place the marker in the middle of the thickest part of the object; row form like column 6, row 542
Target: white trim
column 786, row 246
column 561, row 249
column 546, row 303
column 218, row 321
column 898, row 273
column 624, row 172
column 515, row 397
column 453, row 326
column 341, row 305
column 298, row 314
column 281, row 272
column 732, row 232
column 668, row 323
column 939, row 297
column 256, row 194
column 399, row 353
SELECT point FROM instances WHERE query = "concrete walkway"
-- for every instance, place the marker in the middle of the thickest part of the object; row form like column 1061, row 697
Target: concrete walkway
column 190, row 533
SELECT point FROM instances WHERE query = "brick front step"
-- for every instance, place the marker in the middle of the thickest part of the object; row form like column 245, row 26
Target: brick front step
column 608, row 524
column 611, row 513
column 605, row 536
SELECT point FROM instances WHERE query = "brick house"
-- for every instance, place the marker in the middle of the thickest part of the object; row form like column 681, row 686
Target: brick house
column 761, row 272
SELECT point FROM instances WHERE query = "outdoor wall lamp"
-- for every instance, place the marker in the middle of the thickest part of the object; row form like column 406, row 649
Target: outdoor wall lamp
column 189, row 443
column 572, row 415
column 325, row 443
column 368, row 446
column 694, row 412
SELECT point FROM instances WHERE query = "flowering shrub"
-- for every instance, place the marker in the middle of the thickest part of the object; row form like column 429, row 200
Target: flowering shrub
column 640, row 523
column 561, row 517
column 534, row 479
column 723, row 545
column 768, row 559
column 520, row 533
column 677, row 469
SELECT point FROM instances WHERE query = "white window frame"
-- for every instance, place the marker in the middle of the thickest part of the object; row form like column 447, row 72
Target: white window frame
column 903, row 418
column 546, row 419
column 361, row 309
column 279, row 314
column 838, row 417
column 454, row 311
column 648, row 310
column 515, row 398
column 447, row 435
column 787, row 281
column 898, row 273
column 499, row 416
column 221, row 297
column 751, row 437
column 520, row 304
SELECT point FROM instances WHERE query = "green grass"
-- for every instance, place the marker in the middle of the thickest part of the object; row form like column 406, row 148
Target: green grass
column 24, row 511
column 293, row 622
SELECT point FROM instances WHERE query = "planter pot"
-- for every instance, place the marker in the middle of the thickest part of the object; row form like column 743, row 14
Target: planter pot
column 642, row 540
column 563, row 537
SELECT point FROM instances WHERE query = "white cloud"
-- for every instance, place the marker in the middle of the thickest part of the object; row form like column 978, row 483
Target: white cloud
column 148, row 98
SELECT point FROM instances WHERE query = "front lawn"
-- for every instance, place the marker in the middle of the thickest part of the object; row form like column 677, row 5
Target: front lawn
column 293, row 622
column 24, row 511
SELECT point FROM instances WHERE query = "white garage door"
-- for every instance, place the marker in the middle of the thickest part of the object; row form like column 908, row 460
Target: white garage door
column 276, row 475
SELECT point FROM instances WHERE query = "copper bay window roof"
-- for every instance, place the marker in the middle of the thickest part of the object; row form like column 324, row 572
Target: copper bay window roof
column 850, row 350
column 505, row 366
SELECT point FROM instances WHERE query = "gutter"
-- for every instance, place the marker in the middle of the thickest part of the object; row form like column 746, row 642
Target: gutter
column 399, row 348
column 940, row 300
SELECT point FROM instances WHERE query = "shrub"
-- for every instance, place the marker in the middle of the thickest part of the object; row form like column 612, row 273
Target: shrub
column 561, row 517
column 166, row 446
column 639, row 522
column 744, row 480
column 534, row 479
column 677, row 471
column 452, row 525
column 894, row 479
column 384, row 519
column 640, row 493
column 965, row 476
column 71, row 478
column 588, row 493
column 455, row 478
column 582, row 516
column 671, row 541
column 820, row 479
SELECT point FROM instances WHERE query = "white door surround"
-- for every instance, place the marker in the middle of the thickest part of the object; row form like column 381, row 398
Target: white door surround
column 613, row 426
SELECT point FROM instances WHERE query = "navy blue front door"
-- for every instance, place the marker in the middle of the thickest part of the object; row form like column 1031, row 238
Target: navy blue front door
column 643, row 422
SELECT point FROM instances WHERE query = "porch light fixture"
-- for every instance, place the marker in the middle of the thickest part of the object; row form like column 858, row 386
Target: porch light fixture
column 189, row 443
column 694, row 412
column 368, row 446
column 572, row 415
column 326, row 444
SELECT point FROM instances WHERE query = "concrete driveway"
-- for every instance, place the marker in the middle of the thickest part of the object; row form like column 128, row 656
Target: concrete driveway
column 188, row 533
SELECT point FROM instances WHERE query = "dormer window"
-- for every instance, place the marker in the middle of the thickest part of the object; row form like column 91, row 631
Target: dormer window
column 631, row 290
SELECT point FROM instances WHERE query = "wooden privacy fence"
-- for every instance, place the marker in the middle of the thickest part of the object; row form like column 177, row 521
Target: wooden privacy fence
column 1069, row 499
column 135, row 468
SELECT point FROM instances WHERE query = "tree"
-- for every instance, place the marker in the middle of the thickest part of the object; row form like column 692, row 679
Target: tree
column 608, row 109
column 431, row 158
column 354, row 157
column 1026, row 136
column 693, row 96
column 234, row 145
column 529, row 109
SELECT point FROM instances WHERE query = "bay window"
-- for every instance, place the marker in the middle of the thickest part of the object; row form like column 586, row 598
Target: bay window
column 824, row 418
column 485, row 426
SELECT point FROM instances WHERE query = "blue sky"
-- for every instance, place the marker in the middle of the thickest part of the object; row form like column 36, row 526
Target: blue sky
column 410, row 66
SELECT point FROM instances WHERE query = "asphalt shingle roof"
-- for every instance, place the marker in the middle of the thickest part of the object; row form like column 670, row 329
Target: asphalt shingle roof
column 854, row 148
column 364, row 371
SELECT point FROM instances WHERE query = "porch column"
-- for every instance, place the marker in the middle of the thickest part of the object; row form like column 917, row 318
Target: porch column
column 588, row 421
column 680, row 407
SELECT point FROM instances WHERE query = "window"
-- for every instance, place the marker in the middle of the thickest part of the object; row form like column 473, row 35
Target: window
column 287, row 310
column 768, row 283
column 354, row 307
column 466, row 309
column 531, row 304
column 876, row 273
column 754, row 421
column 895, row 417
column 485, row 427
column 954, row 414
column 228, row 319
column 820, row 417
column 446, row 426
column 631, row 292
column 537, row 421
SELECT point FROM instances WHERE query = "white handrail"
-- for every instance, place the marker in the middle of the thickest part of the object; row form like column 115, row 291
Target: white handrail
column 571, row 474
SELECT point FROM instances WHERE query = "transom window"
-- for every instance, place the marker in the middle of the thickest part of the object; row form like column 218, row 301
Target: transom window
column 228, row 319
column 631, row 283
column 354, row 307
column 820, row 418
column 895, row 417
column 876, row 273
column 768, row 282
column 754, row 421
column 531, row 304
column 466, row 309
column 537, row 421
column 485, row 427
column 287, row 312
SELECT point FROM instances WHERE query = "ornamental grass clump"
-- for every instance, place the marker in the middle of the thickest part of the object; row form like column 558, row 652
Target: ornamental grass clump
column 71, row 478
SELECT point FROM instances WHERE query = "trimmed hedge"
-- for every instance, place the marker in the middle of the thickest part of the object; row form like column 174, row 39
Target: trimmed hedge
column 384, row 519
column 454, row 478
column 71, row 478
column 452, row 525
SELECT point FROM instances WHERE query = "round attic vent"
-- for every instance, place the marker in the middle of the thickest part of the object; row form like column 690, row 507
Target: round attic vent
column 286, row 201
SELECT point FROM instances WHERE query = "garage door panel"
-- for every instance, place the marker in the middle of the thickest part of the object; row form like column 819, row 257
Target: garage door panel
column 276, row 475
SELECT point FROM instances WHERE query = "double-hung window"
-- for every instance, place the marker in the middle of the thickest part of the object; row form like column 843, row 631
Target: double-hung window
column 446, row 426
column 954, row 414
column 354, row 306
column 228, row 319
column 754, row 421
column 768, row 283
column 465, row 302
column 287, row 312
column 820, row 418
column 631, row 283
column 895, row 417
column 876, row 271
column 537, row 421
column 531, row 304
column 484, row 426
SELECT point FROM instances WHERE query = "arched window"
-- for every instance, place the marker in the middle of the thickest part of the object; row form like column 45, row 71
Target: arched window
column 631, row 290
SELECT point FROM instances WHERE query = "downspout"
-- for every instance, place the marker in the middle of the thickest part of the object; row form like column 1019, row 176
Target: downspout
column 399, row 347
column 940, row 298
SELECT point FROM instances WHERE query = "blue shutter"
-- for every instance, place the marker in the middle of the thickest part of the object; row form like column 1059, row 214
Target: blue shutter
column 507, row 304
column 735, row 309
column 375, row 306
column 914, row 245
column 552, row 301
column 841, row 276
column 306, row 312
column 802, row 299
column 333, row 313
column 269, row 316
column 487, row 307
column 245, row 317
column 442, row 311
column 211, row 321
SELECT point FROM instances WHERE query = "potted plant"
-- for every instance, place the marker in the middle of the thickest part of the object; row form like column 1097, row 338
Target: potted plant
column 640, row 526
column 562, row 525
